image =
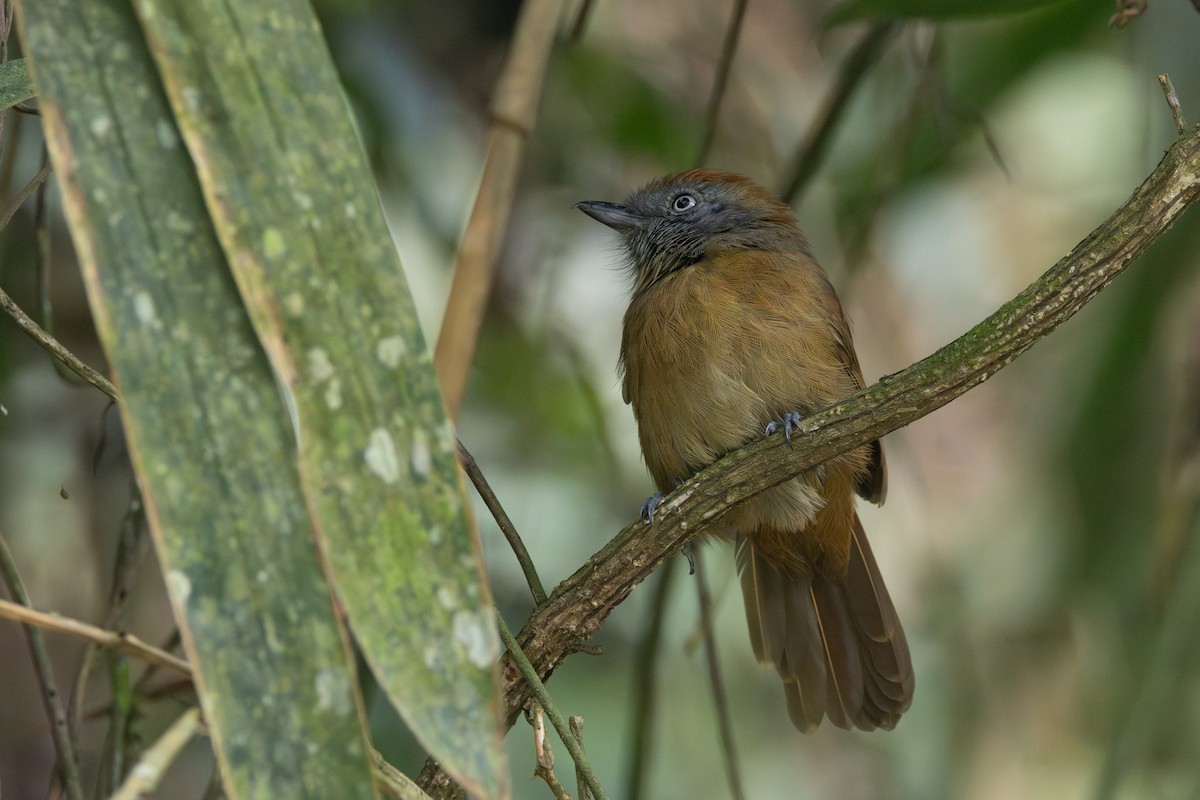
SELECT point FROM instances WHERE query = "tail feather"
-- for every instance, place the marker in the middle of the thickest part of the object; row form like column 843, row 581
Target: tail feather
column 836, row 641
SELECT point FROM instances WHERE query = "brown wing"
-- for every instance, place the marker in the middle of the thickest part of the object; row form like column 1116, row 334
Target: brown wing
column 873, row 486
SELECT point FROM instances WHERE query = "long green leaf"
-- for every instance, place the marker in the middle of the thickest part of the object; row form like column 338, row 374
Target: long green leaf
column 209, row 435
column 295, row 206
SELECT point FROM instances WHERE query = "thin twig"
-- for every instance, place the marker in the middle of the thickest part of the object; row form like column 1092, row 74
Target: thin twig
column 144, row 777
column 393, row 781
column 42, row 233
column 543, row 754
column 853, row 69
column 644, row 696
column 55, row 348
column 580, row 604
column 471, row 467
column 556, row 719
column 125, row 642
column 721, row 703
column 1164, row 80
column 514, row 114
column 60, row 731
column 24, row 194
column 581, row 21
column 728, row 51
column 130, row 549
column 576, row 723
column 116, row 752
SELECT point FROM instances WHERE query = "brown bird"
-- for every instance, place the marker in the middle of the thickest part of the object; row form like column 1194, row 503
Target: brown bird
column 733, row 332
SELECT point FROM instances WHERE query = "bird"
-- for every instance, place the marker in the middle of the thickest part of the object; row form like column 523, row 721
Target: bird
column 733, row 332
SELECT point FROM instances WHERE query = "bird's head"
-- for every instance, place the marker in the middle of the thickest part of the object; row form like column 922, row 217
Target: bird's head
column 676, row 221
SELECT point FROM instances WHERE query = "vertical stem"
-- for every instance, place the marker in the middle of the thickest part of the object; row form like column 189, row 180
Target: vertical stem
column 640, row 741
column 728, row 50
column 67, row 767
column 724, row 722
column 513, row 116
column 556, row 718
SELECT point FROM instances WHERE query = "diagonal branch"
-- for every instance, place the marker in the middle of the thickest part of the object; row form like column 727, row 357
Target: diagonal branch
column 581, row 603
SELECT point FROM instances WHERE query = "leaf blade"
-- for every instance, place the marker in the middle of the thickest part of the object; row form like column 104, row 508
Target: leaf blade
column 296, row 210
column 206, row 428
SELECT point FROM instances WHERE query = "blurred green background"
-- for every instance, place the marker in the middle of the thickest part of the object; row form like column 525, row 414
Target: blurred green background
column 1039, row 535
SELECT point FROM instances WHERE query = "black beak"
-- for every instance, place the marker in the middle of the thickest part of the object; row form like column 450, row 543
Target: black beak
column 614, row 216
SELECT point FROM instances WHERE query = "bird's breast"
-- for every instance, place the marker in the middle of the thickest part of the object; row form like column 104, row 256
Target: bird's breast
column 715, row 351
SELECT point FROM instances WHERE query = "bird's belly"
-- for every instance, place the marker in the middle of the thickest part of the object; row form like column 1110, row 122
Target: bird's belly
column 704, row 412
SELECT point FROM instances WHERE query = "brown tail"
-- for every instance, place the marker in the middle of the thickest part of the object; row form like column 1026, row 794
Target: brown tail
column 836, row 641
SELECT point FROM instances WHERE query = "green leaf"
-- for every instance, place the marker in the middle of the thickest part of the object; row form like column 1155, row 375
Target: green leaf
column 853, row 10
column 15, row 83
column 295, row 207
column 207, row 430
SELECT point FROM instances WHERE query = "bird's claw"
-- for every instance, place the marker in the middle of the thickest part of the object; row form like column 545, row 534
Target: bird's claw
column 687, row 551
column 791, row 421
column 648, row 507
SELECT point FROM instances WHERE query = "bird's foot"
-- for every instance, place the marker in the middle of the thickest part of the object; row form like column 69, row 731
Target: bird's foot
column 687, row 551
column 652, row 502
column 790, row 422
column 648, row 507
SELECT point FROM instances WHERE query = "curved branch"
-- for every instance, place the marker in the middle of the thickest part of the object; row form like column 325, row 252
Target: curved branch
column 580, row 604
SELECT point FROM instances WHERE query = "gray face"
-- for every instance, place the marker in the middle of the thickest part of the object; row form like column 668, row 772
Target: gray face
column 675, row 222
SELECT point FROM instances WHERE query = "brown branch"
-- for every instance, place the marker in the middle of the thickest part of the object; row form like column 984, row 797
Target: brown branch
column 544, row 754
column 55, row 348
column 125, row 642
column 575, row 721
column 580, row 604
column 513, row 115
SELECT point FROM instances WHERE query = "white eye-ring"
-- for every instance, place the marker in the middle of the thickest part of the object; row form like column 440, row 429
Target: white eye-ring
column 682, row 203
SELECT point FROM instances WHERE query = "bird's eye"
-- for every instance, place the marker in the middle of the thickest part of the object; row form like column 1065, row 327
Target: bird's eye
column 682, row 203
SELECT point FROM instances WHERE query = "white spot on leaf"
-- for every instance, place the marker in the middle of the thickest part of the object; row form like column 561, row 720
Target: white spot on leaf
column 390, row 350
column 319, row 365
column 177, row 223
column 420, row 457
column 164, row 131
column 273, row 246
column 474, row 631
column 191, row 98
column 333, row 692
column 294, row 304
column 333, row 394
column 143, row 308
column 381, row 456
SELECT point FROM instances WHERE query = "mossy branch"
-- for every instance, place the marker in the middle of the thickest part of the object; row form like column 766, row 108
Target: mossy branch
column 581, row 603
